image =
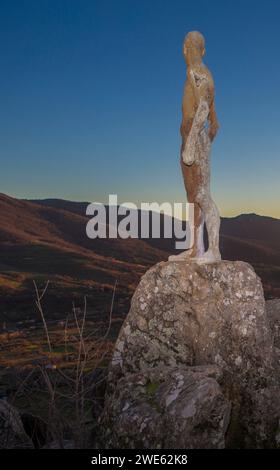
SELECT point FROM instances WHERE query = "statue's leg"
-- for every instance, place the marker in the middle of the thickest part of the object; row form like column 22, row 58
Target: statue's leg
column 197, row 249
column 191, row 176
column 199, row 232
column 207, row 205
column 212, row 220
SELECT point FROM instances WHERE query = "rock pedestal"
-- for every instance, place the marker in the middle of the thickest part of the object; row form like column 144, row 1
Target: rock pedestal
column 183, row 316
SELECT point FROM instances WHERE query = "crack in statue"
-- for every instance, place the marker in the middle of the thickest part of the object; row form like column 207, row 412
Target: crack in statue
column 198, row 112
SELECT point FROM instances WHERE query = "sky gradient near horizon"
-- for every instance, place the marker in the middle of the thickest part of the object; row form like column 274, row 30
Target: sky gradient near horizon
column 90, row 99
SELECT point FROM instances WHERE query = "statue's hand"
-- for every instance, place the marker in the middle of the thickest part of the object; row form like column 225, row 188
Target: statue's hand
column 188, row 154
column 187, row 158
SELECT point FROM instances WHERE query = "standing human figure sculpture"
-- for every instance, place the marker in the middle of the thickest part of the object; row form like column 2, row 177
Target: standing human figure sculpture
column 198, row 111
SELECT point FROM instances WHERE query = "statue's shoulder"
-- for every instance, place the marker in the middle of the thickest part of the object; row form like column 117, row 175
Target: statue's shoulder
column 200, row 75
column 203, row 70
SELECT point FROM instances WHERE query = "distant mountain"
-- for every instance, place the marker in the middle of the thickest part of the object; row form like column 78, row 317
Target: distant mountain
column 254, row 227
column 46, row 240
column 70, row 206
column 39, row 242
column 249, row 237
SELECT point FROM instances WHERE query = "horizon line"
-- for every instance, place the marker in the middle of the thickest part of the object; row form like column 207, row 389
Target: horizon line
column 138, row 208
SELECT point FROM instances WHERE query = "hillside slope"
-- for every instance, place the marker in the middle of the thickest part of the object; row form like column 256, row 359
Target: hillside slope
column 46, row 243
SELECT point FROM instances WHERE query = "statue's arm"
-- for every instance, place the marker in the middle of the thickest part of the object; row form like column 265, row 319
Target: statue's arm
column 200, row 87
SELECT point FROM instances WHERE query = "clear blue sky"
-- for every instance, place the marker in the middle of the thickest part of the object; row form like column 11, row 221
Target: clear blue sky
column 90, row 99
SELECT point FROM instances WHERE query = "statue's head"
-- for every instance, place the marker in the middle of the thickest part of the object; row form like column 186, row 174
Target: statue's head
column 194, row 47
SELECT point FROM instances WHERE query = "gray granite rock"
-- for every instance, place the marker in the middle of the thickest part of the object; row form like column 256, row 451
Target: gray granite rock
column 186, row 315
column 273, row 312
column 170, row 408
column 194, row 314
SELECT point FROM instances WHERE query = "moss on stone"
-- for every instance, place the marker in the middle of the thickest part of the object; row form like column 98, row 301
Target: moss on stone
column 151, row 388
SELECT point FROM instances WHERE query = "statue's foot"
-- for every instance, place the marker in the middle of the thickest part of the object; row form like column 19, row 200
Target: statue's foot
column 184, row 256
column 188, row 256
column 209, row 257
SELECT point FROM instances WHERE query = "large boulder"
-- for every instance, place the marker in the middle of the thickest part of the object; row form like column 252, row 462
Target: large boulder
column 167, row 408
column 188, row 315
column 193, row 314
column 12, row 433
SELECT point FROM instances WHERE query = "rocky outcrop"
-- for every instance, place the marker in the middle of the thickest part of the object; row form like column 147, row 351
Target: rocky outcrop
column 167, row 408
column 12, row 434
column 273, row 312
column 194, row 314
column 185, row 315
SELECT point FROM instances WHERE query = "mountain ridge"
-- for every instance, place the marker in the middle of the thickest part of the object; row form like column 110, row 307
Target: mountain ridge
column 46, row 240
